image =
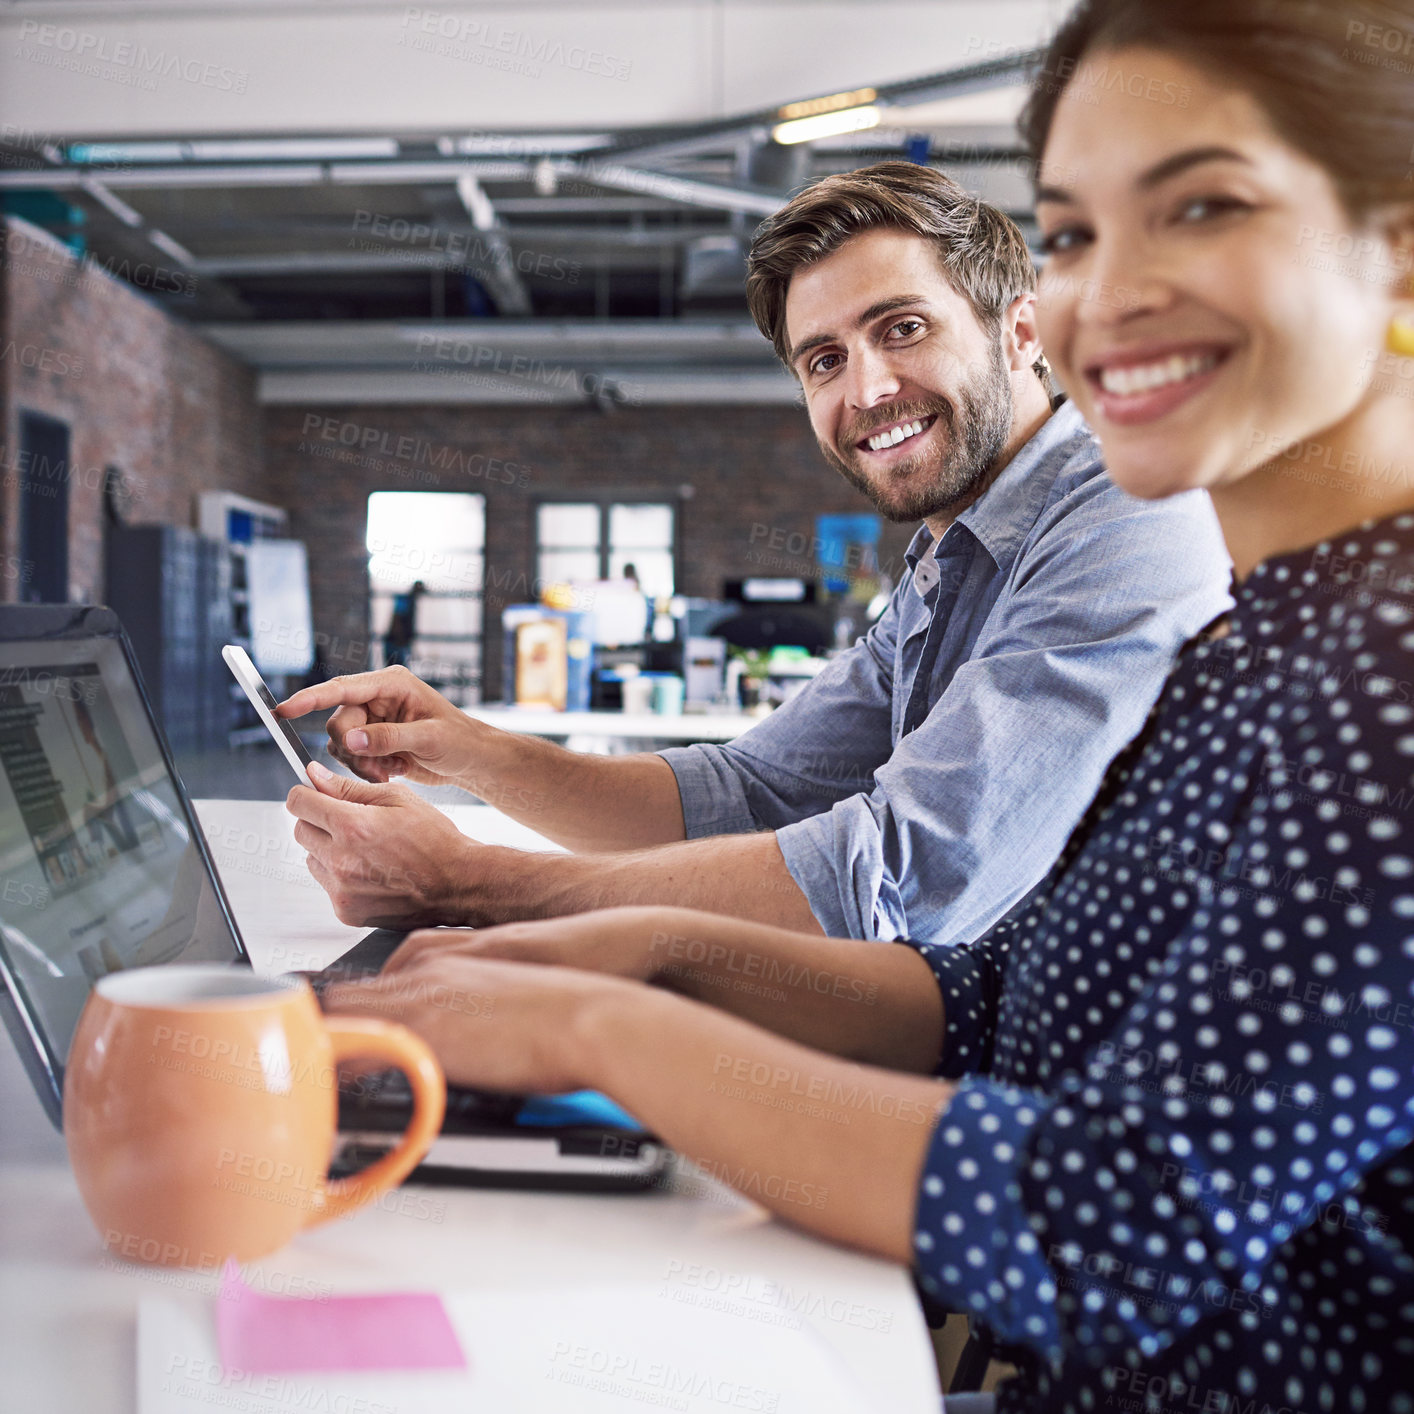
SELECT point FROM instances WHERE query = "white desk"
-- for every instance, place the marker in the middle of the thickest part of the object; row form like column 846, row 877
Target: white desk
column 648, row 726
column 68, row 1311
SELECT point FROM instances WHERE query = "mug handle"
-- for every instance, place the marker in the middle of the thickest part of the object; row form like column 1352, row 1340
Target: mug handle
column 384, row 1040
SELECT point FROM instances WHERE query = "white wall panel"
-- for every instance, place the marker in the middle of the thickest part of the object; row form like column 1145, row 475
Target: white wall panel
column 84, row 70
column 796, row 48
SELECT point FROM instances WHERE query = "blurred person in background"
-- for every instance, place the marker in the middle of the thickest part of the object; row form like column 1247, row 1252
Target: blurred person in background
column 402, row 627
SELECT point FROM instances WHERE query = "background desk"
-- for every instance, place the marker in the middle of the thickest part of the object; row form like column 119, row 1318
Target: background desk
column 68, row 1312
column 610, row 732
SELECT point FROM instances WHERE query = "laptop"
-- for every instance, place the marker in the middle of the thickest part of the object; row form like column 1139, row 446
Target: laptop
column 104, row 866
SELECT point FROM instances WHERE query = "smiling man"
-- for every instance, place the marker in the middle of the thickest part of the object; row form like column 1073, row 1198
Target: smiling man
column 931, row 774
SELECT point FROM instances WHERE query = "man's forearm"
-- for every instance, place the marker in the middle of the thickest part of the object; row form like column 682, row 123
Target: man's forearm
column 582, row 802
column 743, row 876
column 834, row 1147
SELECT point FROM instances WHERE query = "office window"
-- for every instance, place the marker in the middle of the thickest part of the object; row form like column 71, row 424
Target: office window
column 437, row 537
column 567, row 542
column 577, row 540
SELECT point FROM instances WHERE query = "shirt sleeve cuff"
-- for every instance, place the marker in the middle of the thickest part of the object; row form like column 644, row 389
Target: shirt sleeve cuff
column 968, row 1010
column 974, row 1248
column 841, row 882
column 713, row 799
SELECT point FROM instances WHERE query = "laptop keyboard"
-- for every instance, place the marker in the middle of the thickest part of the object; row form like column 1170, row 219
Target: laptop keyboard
column 382, row 1100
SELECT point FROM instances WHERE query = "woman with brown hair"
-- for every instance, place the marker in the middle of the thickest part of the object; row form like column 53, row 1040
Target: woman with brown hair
column 1169, row 1159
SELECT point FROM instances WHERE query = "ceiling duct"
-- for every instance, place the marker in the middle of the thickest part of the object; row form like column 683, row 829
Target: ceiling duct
column 777, row 166
column 713, row 266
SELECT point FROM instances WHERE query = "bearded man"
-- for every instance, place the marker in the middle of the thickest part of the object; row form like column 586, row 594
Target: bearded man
column 929, row 777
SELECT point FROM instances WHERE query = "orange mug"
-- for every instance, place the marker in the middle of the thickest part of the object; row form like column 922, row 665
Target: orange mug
column 200, row 1110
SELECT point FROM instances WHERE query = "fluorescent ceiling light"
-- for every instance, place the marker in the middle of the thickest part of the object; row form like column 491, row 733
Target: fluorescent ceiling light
column 236, row 150
column 111, row 153
column 844, row 120
column 294, row 149
column 831, row 103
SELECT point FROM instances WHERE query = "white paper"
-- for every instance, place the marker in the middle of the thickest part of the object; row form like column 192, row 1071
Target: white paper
column 180, row 1372
column 592, row 1351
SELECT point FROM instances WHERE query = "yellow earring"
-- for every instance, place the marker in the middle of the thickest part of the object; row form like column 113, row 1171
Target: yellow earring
column 1401, row 337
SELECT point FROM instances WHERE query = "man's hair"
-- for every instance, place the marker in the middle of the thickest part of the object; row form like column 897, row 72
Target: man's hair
column 982, row 253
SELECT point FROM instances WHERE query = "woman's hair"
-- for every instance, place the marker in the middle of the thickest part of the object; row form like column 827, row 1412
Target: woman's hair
column 1335, row 77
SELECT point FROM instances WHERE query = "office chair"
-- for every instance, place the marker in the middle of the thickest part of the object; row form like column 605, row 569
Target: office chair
column 976, row 1354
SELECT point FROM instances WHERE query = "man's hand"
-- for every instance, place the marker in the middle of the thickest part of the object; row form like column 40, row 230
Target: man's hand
column 621, row 942
column 385, row 857
column 390, row 723
column 495, row 1025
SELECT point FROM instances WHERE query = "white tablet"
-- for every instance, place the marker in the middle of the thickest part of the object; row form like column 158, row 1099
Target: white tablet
column 286, row 738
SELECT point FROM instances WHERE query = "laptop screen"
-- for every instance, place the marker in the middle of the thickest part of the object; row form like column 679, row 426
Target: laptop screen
column 98, row 867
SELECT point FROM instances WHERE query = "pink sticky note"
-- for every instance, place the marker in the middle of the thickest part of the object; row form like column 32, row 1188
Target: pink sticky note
column 269, row 1335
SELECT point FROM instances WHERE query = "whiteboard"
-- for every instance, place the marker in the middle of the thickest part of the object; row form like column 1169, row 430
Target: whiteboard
column 281, row 629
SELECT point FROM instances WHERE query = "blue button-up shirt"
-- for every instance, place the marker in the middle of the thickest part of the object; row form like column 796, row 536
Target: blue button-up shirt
column 930, row 775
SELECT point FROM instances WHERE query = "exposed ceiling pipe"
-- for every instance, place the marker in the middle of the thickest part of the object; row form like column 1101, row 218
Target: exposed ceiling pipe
column 720, row 134
column 134, row 221
column 502, row 279
column 692, row 192
column 630, row 153
column 298, row 343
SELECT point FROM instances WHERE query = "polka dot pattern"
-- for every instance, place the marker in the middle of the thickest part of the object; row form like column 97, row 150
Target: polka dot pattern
column 1179, row 1166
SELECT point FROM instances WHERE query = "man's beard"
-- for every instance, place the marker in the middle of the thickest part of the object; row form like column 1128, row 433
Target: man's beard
column 976, row 427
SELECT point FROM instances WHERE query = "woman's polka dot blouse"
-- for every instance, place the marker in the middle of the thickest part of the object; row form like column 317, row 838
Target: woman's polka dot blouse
column 1177, row 1174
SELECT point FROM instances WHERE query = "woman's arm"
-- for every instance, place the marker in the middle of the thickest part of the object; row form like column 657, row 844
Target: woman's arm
column 826, row 1144
column 831, row 1146
column 872, row 1002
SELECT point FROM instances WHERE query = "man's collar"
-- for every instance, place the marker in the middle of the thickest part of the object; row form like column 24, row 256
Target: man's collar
column 920, row 545
column 1002, row 515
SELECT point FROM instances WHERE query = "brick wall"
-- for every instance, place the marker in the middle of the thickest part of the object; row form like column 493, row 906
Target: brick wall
column 142, row 392
column 139, row 390
column 751, row 478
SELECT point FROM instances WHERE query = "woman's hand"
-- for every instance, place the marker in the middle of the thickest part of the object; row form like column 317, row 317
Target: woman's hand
column 786, row 1124
column 620, row 942
column 875, row 1002
column 493, row 1025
